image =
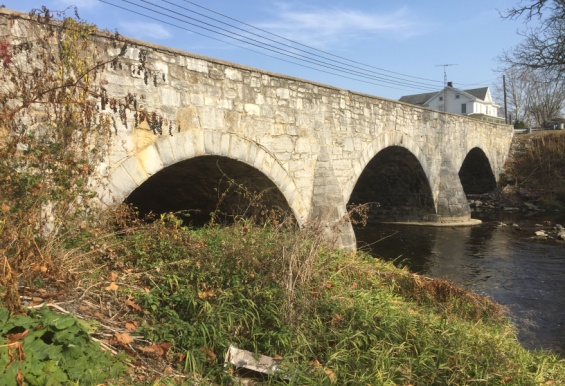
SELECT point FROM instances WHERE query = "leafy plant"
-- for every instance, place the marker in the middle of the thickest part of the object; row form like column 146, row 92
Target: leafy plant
column 45, row 348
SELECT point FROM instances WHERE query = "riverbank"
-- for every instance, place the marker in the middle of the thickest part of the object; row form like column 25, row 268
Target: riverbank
column 173, row 300
column 533, row 185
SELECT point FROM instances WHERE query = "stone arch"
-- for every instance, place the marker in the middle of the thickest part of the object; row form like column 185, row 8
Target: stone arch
column 486, row 150
column 166, row 151
column 396, row 175
column 476, row 172
column 381, row 142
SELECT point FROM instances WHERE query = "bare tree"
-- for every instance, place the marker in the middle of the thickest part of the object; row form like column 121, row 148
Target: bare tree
column 534, row 96
column 544, row 45
column 535, row 8
column 516, row 93
column 545, row 97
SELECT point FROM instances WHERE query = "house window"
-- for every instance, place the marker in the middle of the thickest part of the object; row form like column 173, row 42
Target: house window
column 463, row 108
column 457, row 96
column 440, row 98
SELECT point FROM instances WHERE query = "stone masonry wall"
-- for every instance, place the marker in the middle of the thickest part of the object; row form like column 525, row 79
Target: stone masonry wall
column 312, row 140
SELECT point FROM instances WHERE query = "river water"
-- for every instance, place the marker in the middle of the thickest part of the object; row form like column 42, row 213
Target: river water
column 497, row 259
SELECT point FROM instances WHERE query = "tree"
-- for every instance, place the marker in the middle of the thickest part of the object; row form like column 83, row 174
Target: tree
column 534, row 96
column 52, row 129
column 516, row 93
column 544, row 45
column 545, row 98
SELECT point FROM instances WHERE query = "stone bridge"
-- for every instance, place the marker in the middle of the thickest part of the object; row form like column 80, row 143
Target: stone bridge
column 312, row 148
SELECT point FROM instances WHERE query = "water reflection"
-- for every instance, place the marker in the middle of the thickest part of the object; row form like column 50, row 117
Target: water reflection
column 502, row 262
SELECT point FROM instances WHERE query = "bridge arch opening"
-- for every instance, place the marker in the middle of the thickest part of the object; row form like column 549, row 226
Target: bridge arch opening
column 476, row 174
column 397, row 187
column 203, row 185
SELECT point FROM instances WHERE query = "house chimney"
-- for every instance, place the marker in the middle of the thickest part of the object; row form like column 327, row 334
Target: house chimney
column 449, row 84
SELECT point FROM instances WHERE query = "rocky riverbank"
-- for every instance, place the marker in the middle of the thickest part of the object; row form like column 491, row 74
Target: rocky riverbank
column 532, row 186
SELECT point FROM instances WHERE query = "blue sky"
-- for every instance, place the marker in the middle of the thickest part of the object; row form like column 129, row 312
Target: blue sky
column 403, row 42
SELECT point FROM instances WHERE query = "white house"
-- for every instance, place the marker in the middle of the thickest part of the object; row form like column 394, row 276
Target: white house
column 476, row 103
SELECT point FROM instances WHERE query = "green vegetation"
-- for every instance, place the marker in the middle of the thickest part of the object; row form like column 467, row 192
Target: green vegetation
column 172, row 299
column 47, row 348
column 330, row 316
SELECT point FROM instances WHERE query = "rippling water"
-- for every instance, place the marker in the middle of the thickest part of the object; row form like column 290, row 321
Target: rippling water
column 500, row 261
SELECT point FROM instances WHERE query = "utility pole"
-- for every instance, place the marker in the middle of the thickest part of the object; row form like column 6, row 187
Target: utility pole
column 505, row 104
column 445, row 83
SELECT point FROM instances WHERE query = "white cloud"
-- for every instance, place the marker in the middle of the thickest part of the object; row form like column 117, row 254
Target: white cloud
column 80, row 4
column 144, row 30
column 326, row 27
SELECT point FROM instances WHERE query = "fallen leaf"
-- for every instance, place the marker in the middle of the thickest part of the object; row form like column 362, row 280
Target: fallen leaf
column 83, row 308
column 168, row 370
column 209, row 354
column 131, row 326
column 165, row 348
column 112, row 276
column 99, row 315
column 277, row 357
column 149, row 349
column 15, row 337
column 123, row 338
column 331, row 375
column 112, row 287
column 329, row 285
column 5, row 208
column 205, row 294
column 20, row 379
column 315, row 364
column 147, row 289
column 133, row 305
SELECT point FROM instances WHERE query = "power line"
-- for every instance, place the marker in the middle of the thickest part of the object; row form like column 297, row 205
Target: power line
column 298, row 43
column 326, row 63
column 245, row 48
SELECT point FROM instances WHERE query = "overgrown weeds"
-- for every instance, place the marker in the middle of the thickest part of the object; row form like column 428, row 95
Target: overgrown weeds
column 175, row 298
column 332, row 316
column 537, row 167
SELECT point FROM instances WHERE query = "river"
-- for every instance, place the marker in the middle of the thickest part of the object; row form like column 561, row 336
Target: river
column 497, row 259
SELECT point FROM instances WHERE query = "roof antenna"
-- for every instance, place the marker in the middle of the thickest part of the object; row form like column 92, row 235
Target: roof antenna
column 445, row 83
column 445, row 72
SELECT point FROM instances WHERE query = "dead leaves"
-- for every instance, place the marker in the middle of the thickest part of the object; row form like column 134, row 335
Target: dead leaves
column 209, row 354
column 112, row 287
column 15, row 347
column 132, row 304
column 155, row 349
column 204, row 294
column 123, row 338
column 316, row 365
column 112, row 276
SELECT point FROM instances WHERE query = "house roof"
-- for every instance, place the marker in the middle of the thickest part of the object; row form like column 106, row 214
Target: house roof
column 480, row 93
column 421, row 99
column 417, row 99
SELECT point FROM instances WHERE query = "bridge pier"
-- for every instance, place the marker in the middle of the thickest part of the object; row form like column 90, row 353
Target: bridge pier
column 328, row 213
column 452, row 204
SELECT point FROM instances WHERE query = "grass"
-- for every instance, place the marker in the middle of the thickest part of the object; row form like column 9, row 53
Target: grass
column 175, row 298
column 165, row 301
column 332, row 316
